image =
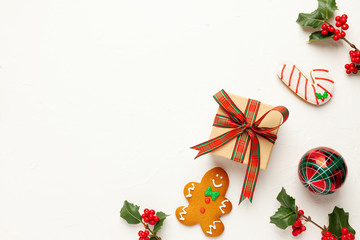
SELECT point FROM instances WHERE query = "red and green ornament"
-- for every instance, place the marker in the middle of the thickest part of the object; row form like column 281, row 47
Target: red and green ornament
column 322, row 170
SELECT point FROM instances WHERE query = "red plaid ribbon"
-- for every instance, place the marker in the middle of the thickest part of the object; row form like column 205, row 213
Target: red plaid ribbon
column 246, row 130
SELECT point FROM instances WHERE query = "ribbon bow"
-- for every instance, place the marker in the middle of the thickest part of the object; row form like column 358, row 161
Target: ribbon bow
column 214, row 195
column 245, row 129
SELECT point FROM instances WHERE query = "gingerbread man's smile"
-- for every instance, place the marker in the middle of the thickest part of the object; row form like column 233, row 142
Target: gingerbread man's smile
column 217, row 185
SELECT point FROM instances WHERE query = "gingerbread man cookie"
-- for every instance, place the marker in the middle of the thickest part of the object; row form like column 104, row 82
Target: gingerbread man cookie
column 207, row 202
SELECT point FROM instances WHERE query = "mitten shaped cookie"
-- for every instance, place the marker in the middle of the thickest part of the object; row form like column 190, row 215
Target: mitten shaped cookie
column 207, row 202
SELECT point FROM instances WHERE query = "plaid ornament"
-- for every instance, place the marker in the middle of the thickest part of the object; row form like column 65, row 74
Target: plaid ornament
column 246, row 130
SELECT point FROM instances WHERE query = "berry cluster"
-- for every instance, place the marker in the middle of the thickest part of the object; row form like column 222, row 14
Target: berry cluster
column 150, row 217
column 354, row 66
column 346, row 235
column 298, row 227
column 340, row 23
column 144, row 235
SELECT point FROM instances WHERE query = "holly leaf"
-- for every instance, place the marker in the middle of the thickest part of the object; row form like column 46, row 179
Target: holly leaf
column 325, row 95
column 316, row 36
column 325, row 10
column 284, row 217
column 314, row 19
column 162, row 216
column 286, row 200
column 130, row 213
column 339, row 219
column 153, row 238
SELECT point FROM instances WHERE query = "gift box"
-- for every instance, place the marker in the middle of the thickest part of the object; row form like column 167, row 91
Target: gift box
column 244, row 130
column 273, row 119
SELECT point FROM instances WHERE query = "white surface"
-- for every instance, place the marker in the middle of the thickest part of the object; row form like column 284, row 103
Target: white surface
column 101, row 100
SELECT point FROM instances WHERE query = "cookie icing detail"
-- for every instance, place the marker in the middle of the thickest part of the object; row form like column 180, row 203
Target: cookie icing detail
column 212, row 227
column 189, row 190
column 317, row 89
column 216, row 185
column 223, row 205
column 182, row 213
column 213, row 194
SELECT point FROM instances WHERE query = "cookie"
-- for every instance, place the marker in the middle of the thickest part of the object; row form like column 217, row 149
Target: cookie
column 207, row 202
column 316, row 90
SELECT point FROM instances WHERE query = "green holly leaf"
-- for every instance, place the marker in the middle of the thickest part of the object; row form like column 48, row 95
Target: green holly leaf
column 325, row 95
column 325, row 10
column 314, row 19
column 159, row 224
column 153, row 238
column 284, row 217
column 286, row 200
column 130, row 213
column 339, row 219
column 316, row 36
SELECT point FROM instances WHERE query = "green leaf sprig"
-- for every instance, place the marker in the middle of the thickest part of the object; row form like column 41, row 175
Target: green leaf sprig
column 320, row 16
column 288, row 213
column 130, row 212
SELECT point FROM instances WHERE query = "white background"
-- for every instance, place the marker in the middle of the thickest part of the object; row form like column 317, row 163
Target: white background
column 101, row 100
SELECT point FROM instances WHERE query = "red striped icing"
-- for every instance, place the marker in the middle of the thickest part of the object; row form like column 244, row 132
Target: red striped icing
column 324, row 89
column 297, row 85
column 282, row 72
column 292, row 71
column 325, row 79
column 317, row 102
column 323, row 70
column 306, row 88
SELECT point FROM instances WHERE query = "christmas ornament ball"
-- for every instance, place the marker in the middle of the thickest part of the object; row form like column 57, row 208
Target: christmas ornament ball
column 322, row 170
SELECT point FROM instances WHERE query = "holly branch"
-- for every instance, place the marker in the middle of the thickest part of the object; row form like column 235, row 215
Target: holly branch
column 289, row 215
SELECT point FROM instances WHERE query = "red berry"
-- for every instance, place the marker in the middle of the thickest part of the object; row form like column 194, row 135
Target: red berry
column 345, row 26
column 146, row 211
column 301, row 212
column 303, row 228
column 294, row 233
column 344, row 16
column 141, row 238
column 357, row 60
column 152, row 222
column 350, row 235
column 324, row 238
column 352, row 65
column 146, row 232
column 151, row 217
column 327, row 234
column 347, row 66
column 297, row 223
column 344, row 237
column 324, row 26
column 357, row 53
column 331, row 29
column 152, row 212
column 146, row 238
column 338, row 24
column 143, row 215
column 356, row 71
column 337, row 31
column 332, row 238
column 140, row 233
column 335, row 37
column 351, row 68
column 298, row 231
column 156, row 218
column 343, row 34
column 146, row 219
column 324, row 32
column 348, row 71
column 352, row 53
column 343, row 20
column 353, row 59
column 337, row 18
